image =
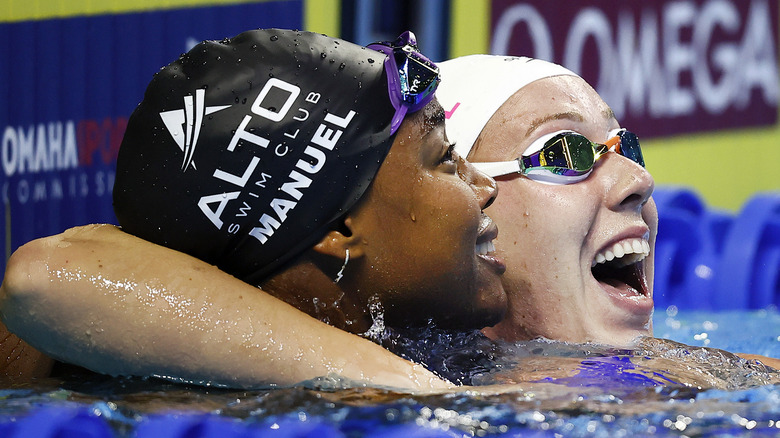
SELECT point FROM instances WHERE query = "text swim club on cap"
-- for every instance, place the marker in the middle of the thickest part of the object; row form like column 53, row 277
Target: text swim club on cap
column 243, row 151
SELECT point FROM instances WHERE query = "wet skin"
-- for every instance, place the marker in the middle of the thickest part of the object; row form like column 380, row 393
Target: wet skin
column 424, row 250
column 551, row 234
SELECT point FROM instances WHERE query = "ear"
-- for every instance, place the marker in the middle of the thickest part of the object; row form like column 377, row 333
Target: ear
column 338, row 240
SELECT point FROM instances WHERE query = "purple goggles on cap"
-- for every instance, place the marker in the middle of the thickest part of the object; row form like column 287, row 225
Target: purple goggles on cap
column 412, row 78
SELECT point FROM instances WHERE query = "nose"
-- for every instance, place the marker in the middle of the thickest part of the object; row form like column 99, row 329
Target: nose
column 629, row 184
column 484, row 186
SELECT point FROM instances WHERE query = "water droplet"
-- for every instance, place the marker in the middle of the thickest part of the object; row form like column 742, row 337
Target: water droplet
column 341, row 67
column 274, row 37
column 370, row 60
column 323, row 55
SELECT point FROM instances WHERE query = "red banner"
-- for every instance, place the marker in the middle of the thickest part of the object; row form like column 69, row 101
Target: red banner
column 664, row 66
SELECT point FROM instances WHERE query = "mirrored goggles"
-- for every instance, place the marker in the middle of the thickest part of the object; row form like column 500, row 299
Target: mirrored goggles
column 412, row 78
column 565, row 157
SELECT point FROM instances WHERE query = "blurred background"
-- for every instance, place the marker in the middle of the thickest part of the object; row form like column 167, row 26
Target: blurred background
column 697, row 80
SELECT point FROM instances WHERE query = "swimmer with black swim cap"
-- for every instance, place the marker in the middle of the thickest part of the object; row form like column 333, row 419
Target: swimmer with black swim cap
column 314, row 168
column 244, row 151
column 254, row 154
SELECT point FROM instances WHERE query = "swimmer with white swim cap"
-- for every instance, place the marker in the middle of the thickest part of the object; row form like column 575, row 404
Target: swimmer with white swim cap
column 578, row 223
column 584, row 272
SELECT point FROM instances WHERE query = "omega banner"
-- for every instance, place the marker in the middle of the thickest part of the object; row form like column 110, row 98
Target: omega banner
column 664, row 66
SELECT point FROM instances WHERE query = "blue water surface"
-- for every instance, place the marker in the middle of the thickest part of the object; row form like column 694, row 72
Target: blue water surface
column 608, row 394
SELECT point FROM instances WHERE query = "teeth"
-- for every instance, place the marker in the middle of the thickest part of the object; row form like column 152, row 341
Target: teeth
column 485, row 247
column 634, row 250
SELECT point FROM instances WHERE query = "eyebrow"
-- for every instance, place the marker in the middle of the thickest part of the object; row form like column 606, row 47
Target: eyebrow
column 570, row 115
column 609, row 114
column 434, row 116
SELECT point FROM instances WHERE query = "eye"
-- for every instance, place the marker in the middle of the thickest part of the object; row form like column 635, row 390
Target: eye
column 450, row 158
column 449, row 155
column 541, row 142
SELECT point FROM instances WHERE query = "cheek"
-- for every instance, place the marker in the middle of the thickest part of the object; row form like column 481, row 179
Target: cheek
column 451, row 209
column 447, row 216
column 650, row 216
column 526, row 211
column 541, row 230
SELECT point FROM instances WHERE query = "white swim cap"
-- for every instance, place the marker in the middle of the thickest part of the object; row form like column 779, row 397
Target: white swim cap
column 474, row 87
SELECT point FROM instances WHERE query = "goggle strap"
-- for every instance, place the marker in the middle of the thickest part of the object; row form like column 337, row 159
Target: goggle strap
column 613, row 144
column 398, row 118
column 406, row 43
column 499, row 168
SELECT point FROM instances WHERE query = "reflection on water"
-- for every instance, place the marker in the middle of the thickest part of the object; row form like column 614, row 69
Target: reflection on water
column 543, row 388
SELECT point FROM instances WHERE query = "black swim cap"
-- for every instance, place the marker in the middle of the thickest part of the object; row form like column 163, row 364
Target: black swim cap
column 244, row 151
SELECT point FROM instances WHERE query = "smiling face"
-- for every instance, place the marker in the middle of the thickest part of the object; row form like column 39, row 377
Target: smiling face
column 552, row 235
column 427, row 250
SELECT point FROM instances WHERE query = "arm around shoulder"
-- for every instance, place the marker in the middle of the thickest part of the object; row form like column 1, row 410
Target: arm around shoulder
column 100, row 298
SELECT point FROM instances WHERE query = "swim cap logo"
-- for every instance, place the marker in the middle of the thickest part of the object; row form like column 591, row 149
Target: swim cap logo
column 184, row 124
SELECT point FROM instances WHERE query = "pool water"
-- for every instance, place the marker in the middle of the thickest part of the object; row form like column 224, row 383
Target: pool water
column 659, row 389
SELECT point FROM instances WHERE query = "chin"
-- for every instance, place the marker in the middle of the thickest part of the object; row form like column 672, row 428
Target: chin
column 622, row 338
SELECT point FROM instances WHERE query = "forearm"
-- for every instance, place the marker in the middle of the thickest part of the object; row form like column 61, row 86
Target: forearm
column 99, row 298
column 768, row 361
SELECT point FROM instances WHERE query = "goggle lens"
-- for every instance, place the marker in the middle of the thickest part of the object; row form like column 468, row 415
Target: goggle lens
column 412, row 78
column 567, row 152
column 629, row 147
column 566, row 157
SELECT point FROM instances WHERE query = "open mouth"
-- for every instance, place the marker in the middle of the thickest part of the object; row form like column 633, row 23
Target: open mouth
column 620, row 266
column 485, row 247
column 487, row 233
